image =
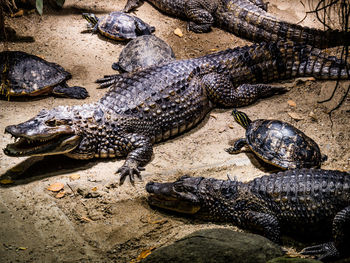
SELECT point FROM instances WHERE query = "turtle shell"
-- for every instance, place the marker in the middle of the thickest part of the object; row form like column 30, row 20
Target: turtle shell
column 29, row 75
column 120, row 26
column 144, row 51
column 282, row 145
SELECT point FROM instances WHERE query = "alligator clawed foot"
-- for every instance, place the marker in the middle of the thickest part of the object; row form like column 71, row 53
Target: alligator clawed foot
column 324, row 251
column 130, row 171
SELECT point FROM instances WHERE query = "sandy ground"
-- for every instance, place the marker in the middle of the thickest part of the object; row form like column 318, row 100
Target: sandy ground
column 116, row 224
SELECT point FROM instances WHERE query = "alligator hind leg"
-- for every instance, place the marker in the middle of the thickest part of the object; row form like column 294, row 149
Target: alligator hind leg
column 341, row 235
column 200, row 14
column 238, row 145
column 65, row 91
column 222, row 92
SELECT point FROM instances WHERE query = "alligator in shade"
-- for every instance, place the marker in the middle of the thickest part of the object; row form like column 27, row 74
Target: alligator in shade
column 303, row 203
column 153, row 104
column 244, row 18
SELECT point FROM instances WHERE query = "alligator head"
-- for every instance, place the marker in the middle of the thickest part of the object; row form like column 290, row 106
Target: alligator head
column 50, row 132
column 180, row 196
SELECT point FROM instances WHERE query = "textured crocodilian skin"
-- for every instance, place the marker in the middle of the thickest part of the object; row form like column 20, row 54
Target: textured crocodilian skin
column 151, row 105
column 278, row 143
column 311, row 204
column 244, row 18
column 23, row 74
column 118, row 26
column 142, row 52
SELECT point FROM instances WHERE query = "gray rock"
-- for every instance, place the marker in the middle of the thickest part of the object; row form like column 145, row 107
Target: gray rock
column 293, row 260
column 217, row 245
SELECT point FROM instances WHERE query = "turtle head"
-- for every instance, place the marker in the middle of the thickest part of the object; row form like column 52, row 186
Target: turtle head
column 241, row 118
column 50, row 132
column 91, row 18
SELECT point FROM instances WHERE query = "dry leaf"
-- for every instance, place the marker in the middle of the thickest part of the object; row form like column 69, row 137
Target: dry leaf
column 295, row 116
column 145, row 253
column 22, row 248
column 6, row 181
column 213, row 50
column 60, row 194
column 161, row 221
column 311, row 79
column 214, row 116
column 313, row 116
column 291, row 103
column 18, row 14
column 86, row 219
column 74, row 176
column 94, row 189
column 55, row 187
column 178, row 32
column 231, row 126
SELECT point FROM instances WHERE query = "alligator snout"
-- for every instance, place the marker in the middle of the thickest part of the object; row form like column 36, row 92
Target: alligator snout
column 13, row 130
column 164, row 189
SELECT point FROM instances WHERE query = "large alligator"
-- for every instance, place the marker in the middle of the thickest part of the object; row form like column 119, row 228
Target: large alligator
column 304, row 203
column 244, row 18
column 159, row 102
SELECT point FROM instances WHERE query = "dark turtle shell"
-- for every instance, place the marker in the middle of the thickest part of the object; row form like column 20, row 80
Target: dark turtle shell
column 120, row 26
column 142, row 52
column 23, row 74
column 282, row 145
column 29, row 75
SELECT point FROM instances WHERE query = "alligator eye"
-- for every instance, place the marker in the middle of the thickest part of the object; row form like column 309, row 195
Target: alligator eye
column 178, row 187
column 51, row 123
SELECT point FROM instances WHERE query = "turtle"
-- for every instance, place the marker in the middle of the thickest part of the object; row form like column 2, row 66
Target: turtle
column 142, row 52
column 278, row 143
column 118, row 26
column 23, row 74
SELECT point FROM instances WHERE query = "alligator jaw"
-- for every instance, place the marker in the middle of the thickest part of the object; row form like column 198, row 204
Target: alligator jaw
column 55, row 144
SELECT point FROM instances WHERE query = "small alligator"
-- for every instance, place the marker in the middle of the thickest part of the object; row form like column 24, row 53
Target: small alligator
column 153, row 104
column 244, row 18
column 303, row 203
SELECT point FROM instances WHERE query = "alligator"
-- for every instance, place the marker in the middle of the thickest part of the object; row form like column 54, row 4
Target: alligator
column 304, row 203
column 244, row 18
column 150, row 105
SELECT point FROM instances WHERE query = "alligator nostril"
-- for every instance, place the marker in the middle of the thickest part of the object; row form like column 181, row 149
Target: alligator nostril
column 149, row 187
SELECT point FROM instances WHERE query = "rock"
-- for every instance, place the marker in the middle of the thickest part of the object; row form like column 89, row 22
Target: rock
column 219, row 246
column 293, row 260
column 88, row 193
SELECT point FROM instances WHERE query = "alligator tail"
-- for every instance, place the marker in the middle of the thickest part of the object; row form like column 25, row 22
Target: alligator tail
column 296, row 60
column 257, row 25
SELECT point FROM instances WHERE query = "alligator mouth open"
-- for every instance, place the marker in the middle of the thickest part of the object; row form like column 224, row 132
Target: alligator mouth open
column 56, row 144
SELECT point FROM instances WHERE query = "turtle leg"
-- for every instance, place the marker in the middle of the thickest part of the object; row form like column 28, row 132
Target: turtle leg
column 63, row 90
column 199, row 12
column 221, row 91
column 132, row 4
column 116, row 66
column 238, row 145
column 341, row 235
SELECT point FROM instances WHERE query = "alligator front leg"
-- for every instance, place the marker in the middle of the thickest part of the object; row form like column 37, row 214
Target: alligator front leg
column 261, row 223
column 140, row 150
column 341, row 235
column 199, row 12
column 221, row 91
